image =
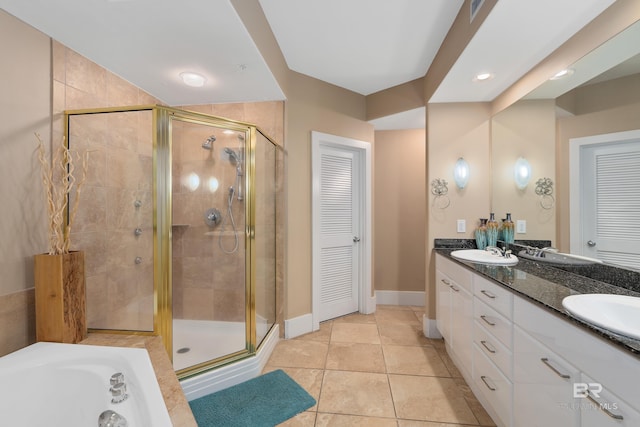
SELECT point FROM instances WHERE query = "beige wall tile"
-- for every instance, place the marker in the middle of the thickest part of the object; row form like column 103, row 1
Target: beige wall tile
column 17, row 316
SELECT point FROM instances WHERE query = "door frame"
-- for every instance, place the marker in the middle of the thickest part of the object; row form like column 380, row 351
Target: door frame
column 576, row 200
column 362, row 149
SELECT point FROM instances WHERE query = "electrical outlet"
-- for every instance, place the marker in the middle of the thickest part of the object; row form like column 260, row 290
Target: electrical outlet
column 521, row 226
column 462, row 226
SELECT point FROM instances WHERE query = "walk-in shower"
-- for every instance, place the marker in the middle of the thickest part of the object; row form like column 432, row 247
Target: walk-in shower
column 174, row 246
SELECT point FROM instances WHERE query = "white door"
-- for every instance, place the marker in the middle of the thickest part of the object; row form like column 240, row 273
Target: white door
column 338, row 227
column 610, row 180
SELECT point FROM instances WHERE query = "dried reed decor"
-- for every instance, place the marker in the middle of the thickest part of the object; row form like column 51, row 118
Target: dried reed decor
column 59, row 274
column 59, row 180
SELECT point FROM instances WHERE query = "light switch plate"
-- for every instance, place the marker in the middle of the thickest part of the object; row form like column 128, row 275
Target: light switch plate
column 462, row 226
column 521, row 226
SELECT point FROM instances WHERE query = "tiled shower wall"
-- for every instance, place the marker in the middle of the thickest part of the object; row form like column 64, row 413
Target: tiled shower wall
column 119, row 291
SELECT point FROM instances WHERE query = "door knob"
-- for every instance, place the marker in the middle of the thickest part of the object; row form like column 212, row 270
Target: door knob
column 356, row 239
column 591, row 243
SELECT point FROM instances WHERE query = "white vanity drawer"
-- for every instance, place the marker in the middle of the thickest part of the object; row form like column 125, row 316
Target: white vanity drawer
column 495, row 323
column 494, row 295
column 493, row 349
column 495, row 387
column 603, row 408
column 460, row 275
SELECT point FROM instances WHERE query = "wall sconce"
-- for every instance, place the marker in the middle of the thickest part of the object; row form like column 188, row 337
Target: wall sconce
column 522, row 173
column 461, row 173
column 544, row 189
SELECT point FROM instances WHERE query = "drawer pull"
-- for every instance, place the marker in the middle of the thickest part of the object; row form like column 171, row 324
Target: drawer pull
column 489, row 347
column 445, row 281
column 484, row 380
column 488, row 294
column 603, row 408
column 453, row 288
column 488, row 322
column 550, row 366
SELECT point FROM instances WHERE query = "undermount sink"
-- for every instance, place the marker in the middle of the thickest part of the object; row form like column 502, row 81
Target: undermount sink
column 483, row 257
column 616, row 313
column 559, row 258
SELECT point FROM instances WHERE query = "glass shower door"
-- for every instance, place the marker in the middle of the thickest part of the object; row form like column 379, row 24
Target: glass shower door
column 208, row 242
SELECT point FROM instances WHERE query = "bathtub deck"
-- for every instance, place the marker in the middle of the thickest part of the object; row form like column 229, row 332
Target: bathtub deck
column 174, row 399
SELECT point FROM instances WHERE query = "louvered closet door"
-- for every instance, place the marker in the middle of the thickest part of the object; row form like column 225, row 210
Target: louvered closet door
column 338, row 237
column 611, row 217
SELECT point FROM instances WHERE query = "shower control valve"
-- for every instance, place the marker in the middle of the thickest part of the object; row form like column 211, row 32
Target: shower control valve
column 118, row 393
column 212, row 217
column 137, row 231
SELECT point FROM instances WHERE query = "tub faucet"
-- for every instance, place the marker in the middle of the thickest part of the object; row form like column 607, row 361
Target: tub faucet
column 111, row 418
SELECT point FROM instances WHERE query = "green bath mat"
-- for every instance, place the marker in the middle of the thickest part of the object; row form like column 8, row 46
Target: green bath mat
column 264, row 401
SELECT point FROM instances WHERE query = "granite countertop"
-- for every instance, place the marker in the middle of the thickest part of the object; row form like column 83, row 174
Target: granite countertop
column 547, row 286
column 177, row 405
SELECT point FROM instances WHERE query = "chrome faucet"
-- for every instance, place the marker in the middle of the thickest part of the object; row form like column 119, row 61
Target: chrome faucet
column 500, row 252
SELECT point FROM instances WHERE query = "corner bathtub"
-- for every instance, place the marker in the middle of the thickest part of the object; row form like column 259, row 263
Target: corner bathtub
column 50, row 384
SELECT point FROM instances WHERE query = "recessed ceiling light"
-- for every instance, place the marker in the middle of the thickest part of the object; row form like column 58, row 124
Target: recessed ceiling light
column 193, row 79
column 562, row 73
column 483, row 77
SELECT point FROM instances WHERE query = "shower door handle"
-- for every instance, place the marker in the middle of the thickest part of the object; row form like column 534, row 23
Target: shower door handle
column 356, row 239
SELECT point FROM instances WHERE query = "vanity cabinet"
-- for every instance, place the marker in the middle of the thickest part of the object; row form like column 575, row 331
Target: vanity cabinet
column 604, row 379
column 492, row 341
column 454, row 310
column 543, row 385
column 528, row 366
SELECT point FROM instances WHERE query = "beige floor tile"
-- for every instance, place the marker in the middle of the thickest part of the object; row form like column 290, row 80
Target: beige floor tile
column 411, row 423
column 400, row 334
column 453, row 370
column 476, row 407
column 356, row 318
column 355, row 332
column 392, row 307
column 356, row 393
column 414, row 360
column 304, row 419
column 335, row 420
column 430, row 399
column 355, row 357
column 396, row 316
column 299, row 354
column 321, row 335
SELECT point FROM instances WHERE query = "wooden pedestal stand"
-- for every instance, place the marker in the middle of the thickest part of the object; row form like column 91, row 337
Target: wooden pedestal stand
column 60, row 298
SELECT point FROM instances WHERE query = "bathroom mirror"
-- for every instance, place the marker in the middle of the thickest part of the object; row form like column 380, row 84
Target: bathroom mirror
column 600, row 95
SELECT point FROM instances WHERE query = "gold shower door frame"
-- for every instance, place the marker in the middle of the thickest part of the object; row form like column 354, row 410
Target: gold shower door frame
column 162, row 222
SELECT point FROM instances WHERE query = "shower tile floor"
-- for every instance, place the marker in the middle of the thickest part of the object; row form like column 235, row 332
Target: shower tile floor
column 197, row 341
column 377, row 370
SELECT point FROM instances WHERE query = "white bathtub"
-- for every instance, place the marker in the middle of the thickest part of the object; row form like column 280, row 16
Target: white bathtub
column 48, row 384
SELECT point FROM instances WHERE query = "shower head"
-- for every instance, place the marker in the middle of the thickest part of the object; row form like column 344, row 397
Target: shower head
column 208, row 143
column 232, row 155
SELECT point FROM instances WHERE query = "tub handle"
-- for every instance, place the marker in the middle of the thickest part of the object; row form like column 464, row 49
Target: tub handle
column 116, row 378
column 119, row 393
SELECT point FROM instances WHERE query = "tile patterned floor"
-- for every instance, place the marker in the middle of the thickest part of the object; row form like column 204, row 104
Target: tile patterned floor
column 377, row 370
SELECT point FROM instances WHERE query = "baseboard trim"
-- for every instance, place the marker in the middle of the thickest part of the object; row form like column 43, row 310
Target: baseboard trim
column 298, row 326
column 430, row 328
column 415, row 298
column 232, row 374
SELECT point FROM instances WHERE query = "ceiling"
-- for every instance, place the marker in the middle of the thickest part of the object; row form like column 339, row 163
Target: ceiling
column 361, row 45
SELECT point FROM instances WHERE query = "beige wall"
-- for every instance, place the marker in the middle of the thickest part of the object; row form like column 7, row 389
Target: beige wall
column 25, row 85
column 456, row 130
column 525, row 129
column 311, row 106
column 400, row 210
